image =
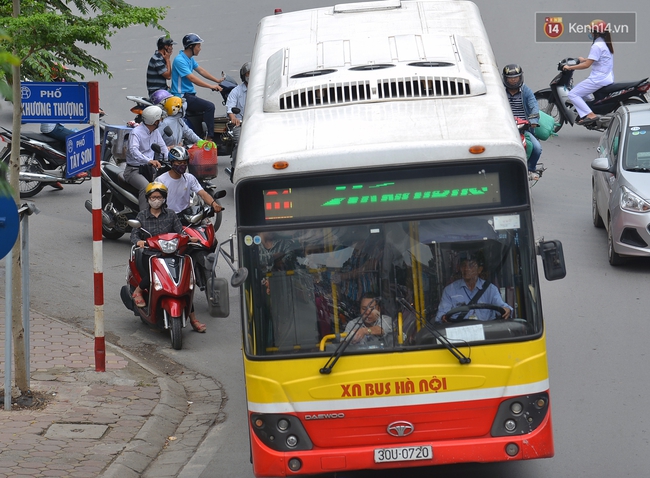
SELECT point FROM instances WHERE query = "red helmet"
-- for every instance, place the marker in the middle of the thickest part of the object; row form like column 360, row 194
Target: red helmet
column 598, row 26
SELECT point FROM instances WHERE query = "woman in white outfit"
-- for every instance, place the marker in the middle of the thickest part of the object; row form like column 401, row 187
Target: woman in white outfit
column 601, row 57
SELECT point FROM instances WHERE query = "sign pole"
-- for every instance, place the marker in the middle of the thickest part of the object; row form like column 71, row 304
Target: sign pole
column 100, row 345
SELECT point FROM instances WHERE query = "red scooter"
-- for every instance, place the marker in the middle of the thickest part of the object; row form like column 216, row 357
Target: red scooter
column 170, row 295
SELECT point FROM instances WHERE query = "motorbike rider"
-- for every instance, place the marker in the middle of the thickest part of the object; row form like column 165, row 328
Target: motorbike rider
column 184, row 77
column 156, row 219
column 159, row 69
column 180, row 184
column 601, row 57
column 237, row 99
column 523, row 105
column 140, row 157
column 180, row 131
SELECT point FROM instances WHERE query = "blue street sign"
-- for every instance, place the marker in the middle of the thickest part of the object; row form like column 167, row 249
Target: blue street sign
column 80, row 151
column 55, row 102
column 8, row 225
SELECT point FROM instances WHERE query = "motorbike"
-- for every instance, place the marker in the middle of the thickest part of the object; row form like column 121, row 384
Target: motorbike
column 554, row 100
column 42, row 161
column 230, row 133
column 205, row 252
column 221, row 137
column 120, row 199
column 169, row 298
column 523, row 126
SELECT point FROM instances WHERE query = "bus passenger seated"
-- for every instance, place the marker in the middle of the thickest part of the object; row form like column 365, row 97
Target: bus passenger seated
column 471, row 289
column 375, row 329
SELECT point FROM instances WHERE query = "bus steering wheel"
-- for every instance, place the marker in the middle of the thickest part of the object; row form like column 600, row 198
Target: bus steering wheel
column 466, row 308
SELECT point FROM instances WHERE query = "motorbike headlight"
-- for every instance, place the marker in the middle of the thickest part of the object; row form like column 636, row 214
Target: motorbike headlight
column 168, row 246
column 633, row 202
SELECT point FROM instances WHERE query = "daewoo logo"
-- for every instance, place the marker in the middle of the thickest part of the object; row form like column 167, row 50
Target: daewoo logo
column 400, row 429
column 324, row 416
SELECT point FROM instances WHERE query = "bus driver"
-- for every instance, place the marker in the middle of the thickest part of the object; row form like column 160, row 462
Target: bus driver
column 471, row 289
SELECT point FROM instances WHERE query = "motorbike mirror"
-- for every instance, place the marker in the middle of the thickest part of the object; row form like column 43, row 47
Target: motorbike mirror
column 168, row 131
column 196, row 218
column 134, row 223
column 236, row 110
column 156, row 148
column 239, row 277
column 220, row 194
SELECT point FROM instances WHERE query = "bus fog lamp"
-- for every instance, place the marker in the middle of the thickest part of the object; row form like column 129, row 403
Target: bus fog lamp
column 510, row 425
column 540, row 403
column 292, row 441
column 512, row 449
column 283, row 424
column 516, row 408
column 295, row 464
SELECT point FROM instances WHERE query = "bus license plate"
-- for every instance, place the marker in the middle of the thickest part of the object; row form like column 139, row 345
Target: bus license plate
column 403, row 453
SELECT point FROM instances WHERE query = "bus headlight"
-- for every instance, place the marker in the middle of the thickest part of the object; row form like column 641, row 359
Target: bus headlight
column 280, row 432
column 520, row 415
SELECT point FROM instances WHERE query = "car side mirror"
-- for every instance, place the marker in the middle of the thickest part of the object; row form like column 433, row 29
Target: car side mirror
column 602, row 164
column 552, row 259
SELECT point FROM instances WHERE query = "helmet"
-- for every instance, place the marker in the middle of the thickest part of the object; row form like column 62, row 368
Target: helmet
column 245, row 68
column 178, row 153
column 159, row 96
column 156, row 186
column 151, row 114
column 513, row 71
column 164, row 41
column 191, row 39
column 598, row 26
column 173, row 105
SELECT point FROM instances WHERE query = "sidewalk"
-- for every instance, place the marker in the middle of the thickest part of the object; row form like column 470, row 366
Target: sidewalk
column 129, row 421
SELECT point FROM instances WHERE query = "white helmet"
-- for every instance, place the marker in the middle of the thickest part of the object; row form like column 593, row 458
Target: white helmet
column 151, row 114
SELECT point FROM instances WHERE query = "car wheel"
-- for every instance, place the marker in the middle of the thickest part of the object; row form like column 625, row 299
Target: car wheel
column 614, row 258
column 595, row 216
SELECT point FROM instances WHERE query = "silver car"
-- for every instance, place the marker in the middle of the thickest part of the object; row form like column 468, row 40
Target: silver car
column 621, row 184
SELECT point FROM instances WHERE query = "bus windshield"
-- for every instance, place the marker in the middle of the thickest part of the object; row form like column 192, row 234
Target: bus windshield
column 314, row 286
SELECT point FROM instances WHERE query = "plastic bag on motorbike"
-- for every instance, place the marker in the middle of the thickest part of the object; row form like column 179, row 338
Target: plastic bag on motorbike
column 203, row 161
column 546, row 127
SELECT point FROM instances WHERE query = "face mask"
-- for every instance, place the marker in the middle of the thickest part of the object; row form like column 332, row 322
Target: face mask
column 156, row 203
column 180, row 168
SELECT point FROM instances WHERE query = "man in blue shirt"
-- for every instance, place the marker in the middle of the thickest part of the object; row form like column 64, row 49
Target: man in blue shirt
column 463, row 291
column 184, row 79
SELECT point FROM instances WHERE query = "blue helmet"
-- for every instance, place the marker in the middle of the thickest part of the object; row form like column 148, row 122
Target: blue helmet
column 191, row 39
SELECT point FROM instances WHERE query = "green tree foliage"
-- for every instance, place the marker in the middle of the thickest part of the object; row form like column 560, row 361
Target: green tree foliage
column 53, row 32
column 6, row 60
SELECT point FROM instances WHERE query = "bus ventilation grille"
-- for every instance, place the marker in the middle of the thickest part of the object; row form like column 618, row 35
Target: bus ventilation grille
column 368, row 91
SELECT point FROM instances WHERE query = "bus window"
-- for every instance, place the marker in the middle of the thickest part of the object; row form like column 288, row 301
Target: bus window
column 308, row 283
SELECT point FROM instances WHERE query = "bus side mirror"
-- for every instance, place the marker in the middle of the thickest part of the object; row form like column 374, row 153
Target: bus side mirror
column 552, row 259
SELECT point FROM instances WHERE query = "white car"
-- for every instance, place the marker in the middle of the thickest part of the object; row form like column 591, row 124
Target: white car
column 621, row 184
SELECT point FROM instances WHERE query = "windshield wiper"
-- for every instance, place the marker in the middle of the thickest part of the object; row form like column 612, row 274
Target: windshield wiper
column 455, row 351
column 639, row 169
column 329, row 365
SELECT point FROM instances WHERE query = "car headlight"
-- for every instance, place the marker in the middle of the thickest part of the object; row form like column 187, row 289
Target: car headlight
column 633, row 202
column 168, row 246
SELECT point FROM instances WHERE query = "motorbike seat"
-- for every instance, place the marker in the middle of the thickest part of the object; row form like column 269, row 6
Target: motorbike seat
column 116, row 174
column 43, row 138
column 606, row 90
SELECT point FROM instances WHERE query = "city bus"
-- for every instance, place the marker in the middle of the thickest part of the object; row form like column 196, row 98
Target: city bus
column 378, row 153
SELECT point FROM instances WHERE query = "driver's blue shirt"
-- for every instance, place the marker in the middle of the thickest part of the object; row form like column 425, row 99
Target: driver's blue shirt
column 457, row 293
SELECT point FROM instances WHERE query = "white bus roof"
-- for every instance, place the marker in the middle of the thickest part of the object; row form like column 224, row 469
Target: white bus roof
column 327, row 89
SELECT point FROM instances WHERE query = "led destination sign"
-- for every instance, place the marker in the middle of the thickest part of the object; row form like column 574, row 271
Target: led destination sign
column 382, row 197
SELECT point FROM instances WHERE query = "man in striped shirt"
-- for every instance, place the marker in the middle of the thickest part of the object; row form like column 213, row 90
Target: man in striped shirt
column 159, row 69
column 524, row 105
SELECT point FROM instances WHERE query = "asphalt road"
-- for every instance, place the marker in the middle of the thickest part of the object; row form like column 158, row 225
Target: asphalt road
column 595, row 316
